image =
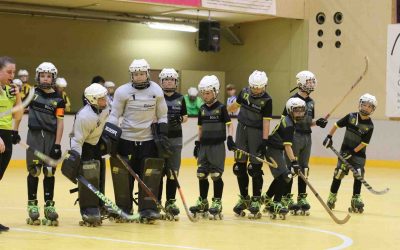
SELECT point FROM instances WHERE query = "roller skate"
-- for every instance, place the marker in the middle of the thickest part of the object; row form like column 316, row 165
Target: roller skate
column 266, row 200
column 50, row 214
column 357, row 205
column 303, row 204
column 331, row 200
column 216, row 209
column 149, row 216
column 33, row 212
column 254, row 208
column 172, row 210
column 288, row 202
column 242, row 204
column 276, row 209
column 90, row 217
column 201, row 208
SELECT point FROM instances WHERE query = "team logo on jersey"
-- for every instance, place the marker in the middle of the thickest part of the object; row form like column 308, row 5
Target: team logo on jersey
column 353, row 120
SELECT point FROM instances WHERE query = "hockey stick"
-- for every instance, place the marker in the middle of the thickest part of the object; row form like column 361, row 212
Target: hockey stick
column 351, row 88
column 189, row 140
column 272, row 164
column 191, row 218
column 336, row 219
column 356, row 174
column 21, row 106
column 141, row 183
column 43, row 157
column 106, row 200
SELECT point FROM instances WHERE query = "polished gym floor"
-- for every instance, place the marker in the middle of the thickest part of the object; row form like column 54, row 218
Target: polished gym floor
column 377, row 228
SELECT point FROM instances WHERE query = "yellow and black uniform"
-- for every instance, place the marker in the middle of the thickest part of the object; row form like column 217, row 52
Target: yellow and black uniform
column 44, row 111
column 211, row 156
column 66, row 101
column 249, row 137
column 26, row 87
column 7, row 101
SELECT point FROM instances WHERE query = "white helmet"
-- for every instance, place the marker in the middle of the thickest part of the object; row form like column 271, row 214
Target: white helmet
column 294, row 104
column 23, row 72
column 140, row 65
column 61, row 82
column 109, row 84
column 258, row 79
column 43, row 68
column 17, row 82
column 209, row 83
column 94, row 92
column 306, row 81
column 192, row 91
column 169, row 73
column 367, row 98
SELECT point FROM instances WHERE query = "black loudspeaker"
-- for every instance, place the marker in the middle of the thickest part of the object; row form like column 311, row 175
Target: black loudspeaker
column 209, row 36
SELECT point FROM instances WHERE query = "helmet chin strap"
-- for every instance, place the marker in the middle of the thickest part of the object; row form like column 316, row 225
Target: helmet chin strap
column 141, row 85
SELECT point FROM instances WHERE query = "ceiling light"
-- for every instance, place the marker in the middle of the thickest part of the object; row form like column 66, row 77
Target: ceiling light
column 172, row 26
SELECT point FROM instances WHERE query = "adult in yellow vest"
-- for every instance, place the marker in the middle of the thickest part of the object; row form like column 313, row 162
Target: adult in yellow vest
column 9, row 97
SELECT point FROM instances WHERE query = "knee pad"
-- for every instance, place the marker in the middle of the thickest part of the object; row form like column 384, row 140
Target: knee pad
column 286, row 177
column 255, row 170
column 239, row 169
column 306, row 171
column 202, row 174
column 34, row 170
column 48, row 171
column 339, row 174
column 215, row 176
column 170, row 176
column 360, row 172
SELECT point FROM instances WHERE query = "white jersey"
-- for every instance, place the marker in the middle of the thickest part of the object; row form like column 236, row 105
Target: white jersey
column 229, row 101
column 88, row 127
column 139, row 108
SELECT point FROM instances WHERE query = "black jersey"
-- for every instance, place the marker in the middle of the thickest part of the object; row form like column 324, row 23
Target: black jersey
column 253, row 110
column 176, row 107
column 213, row 120
column 304, row 126
column 282, row 133
column 44, row 110
column 357, row 131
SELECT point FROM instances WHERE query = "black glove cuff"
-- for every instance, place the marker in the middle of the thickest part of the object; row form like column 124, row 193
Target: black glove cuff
column 329, row 136
column 197, row 143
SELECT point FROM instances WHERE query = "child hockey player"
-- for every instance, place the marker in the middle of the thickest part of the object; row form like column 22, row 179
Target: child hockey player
column 359, row 129
column 306, row 83
column 213, row 119
column 251, row 136
column 280, row 140
column 46, row 125
column 176, row 116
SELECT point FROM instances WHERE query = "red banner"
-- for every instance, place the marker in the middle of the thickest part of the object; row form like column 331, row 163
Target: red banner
column 195, row 3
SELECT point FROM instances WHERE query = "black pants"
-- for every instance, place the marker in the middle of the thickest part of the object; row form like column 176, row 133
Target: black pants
column 5, row 157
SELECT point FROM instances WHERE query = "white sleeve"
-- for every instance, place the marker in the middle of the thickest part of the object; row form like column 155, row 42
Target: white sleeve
column 162, row 109
column 118, row 106
column 80, row 135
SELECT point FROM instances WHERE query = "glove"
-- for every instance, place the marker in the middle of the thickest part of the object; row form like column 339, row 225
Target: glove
column 175, row 120
column 261, row 148
column 196, row 149
column 231, row 144
column 328, row 141
column 13, row 89
column 55, row 151
column 295, row 166
column 321, row 122
column 346, row 155
column 15, row 137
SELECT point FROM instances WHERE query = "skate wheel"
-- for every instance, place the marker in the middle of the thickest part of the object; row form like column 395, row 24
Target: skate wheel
column 292, row 212
column 307, row 213
column 361, row 210
column 194, row 215
column 81, row 223
column 205, row 215
column 272, row 216
column 54, row 223
column 350, row 210
column 221, row 216
column 176, row 218
column 265, row 210
column 259, row 215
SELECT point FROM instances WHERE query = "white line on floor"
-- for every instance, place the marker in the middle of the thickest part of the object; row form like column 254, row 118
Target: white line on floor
column 105, row 239
column 347, row 241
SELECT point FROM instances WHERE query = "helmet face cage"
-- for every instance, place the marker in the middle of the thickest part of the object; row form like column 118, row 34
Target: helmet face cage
column 258, row 81
column 168, row 74
column 367, row 99
column 140, row 65
column 306, row 81
column 46, row 67
column 294, row 106
column 209, row 83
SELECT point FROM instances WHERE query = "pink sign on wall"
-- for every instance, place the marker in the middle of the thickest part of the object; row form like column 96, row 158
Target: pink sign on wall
column 195, row 3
